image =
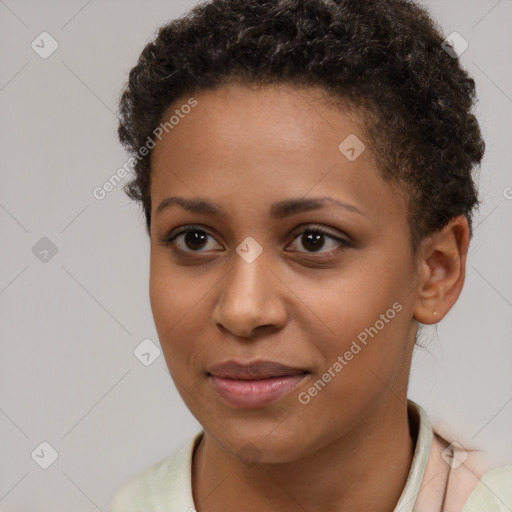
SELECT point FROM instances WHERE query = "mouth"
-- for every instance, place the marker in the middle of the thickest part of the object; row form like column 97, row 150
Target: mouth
column 256, row 384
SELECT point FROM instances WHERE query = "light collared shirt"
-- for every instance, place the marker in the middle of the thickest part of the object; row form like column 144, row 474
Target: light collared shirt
column 443, row 477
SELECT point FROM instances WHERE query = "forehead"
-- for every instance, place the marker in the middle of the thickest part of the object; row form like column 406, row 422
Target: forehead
column 256, row 145
column 281, row 117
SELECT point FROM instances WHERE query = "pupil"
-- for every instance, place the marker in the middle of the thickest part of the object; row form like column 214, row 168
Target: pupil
column 195, row 237
column 313, row 239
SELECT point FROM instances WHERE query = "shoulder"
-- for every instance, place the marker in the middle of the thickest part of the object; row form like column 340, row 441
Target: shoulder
column 457, row 476
column 164, row 486
column 493, row 493
column 136, row 494
column 473, row 484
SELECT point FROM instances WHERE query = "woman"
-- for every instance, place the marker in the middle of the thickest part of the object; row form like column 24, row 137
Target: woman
column 305, row 172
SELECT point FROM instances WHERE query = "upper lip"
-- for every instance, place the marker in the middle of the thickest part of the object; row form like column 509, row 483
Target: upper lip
column 253, row 371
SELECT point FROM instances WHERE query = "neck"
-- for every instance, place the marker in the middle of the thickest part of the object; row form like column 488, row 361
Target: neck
column 366, row 469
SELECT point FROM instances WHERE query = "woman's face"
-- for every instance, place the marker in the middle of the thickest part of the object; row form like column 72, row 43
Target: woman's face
column 316, row 329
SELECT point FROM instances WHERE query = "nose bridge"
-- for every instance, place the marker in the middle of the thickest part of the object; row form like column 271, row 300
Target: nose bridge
column 248, row 297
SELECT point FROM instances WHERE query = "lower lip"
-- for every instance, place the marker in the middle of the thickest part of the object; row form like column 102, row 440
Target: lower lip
column 251, row 394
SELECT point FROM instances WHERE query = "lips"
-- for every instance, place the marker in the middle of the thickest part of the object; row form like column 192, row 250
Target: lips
column 254, row 384
column 253, row 371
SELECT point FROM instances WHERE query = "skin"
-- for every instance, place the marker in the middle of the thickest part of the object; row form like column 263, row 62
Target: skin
column 245, row 148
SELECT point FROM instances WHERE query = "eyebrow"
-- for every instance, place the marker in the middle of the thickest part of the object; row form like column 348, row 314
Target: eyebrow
column 278, row 210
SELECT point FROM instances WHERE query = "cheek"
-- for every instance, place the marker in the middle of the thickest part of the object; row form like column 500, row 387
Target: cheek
column 179, row 305
column 361, row 363
column 162, row 296
column 365, row 316
column 350, row 304
column 172, row 302
column 171, row 294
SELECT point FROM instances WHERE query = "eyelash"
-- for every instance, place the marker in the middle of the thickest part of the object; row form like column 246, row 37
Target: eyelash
column 170, row 240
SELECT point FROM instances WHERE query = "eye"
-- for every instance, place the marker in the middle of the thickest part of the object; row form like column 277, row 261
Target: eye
column 313, row 239
column 194, row 239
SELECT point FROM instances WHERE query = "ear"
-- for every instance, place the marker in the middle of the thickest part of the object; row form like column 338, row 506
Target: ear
column 441, row 270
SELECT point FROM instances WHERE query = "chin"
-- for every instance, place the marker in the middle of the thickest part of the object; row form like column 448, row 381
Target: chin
column 258, row 447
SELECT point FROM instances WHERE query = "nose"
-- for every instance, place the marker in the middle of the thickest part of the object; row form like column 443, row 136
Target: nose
column 250, row 300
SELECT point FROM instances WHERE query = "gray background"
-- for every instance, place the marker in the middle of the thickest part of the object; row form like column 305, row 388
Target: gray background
column 69, row 326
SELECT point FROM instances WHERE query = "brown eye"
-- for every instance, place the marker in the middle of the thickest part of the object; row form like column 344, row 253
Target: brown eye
column 315, row 239
column 190, row 239
column 195, row 240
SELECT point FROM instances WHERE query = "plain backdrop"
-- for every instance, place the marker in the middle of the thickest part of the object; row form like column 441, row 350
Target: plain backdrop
column 74, row 270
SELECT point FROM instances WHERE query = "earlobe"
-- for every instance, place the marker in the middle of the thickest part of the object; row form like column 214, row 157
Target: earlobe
column 441, row 270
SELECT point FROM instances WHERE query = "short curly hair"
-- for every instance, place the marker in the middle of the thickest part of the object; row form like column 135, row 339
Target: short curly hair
column 383, row 57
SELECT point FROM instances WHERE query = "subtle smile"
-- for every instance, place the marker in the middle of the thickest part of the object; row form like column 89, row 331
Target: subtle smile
column 255, row 384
